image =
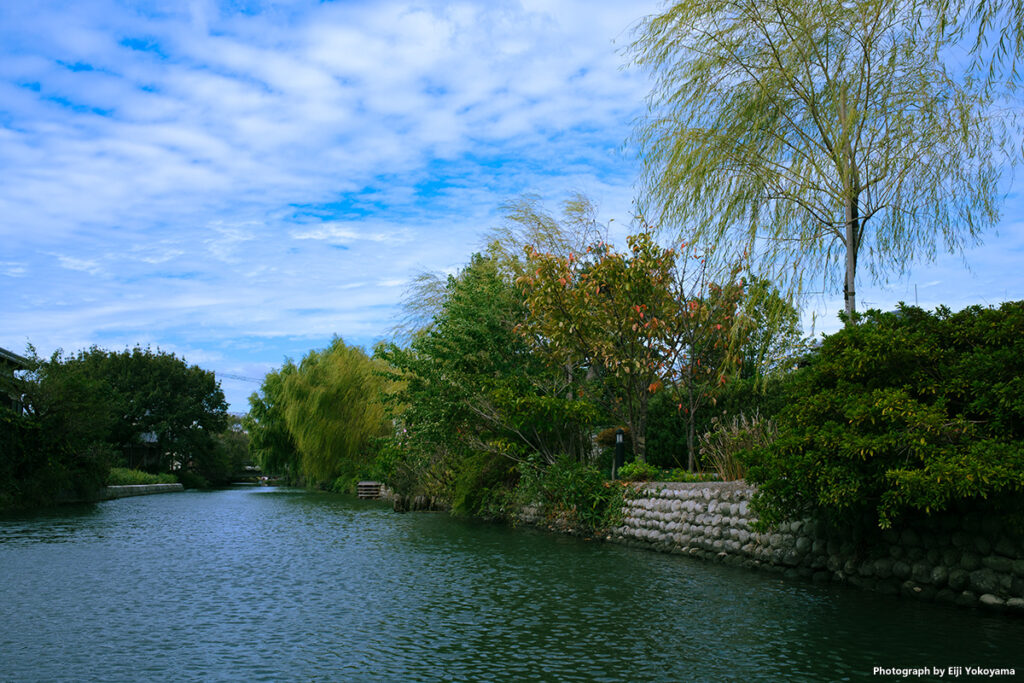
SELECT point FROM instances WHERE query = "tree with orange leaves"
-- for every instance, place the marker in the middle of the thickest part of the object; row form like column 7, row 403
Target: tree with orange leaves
column 640, row 320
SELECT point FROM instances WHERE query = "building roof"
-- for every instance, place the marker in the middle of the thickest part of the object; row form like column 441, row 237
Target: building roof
column 11, row 358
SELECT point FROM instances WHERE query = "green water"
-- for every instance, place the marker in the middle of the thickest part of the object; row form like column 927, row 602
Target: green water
column 268, row 585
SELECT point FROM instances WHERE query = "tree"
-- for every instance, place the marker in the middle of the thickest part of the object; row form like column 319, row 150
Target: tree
column 55, row 441
column 832, row 130
column 636, row 320
column 470, row 397
column 163, row 404
column 270, row 443
column 332, row 409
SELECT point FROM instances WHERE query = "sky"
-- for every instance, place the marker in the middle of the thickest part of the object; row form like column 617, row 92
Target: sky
column 237, row 182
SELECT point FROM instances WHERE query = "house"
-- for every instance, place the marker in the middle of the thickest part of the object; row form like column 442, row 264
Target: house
column 10, row 363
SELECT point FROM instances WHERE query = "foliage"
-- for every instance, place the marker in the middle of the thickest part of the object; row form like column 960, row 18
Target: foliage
column 230, row 456
column 54, row 439
column 122, row 476
column 721, row 446
column 639, row 471
column 907, row 411
column 331, row 407
column 271, row 445
column 192, row 480
column 574, row 492
column 469, row 385
column 679, row 474
column 79, row 414
column 484, row 486
column 635, row 320
column 606, row 437
column 994, row 60
column 817, row 133
column 168, row 411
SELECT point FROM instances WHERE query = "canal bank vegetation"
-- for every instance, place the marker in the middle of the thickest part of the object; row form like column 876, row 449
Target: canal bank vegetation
column 903, row 413
column 765, row 168
column 485, row 403
column 316, row 423
column 70, row 418
column 122, row 476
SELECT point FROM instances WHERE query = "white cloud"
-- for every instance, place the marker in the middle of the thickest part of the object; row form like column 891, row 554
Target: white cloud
column 90, row 266
column 227, row 183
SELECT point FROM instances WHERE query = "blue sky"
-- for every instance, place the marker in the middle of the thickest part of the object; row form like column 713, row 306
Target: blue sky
column 236, row 182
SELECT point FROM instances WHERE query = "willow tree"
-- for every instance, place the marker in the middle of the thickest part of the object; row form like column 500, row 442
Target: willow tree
column 815, row 133
column 332, row 409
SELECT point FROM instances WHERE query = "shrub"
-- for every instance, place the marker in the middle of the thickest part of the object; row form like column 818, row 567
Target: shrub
column 122, row 476
column 903, row 412
column 639, row 471
column 681, row 474
column 192, row 480
column 576, row 492
column 483, row 486
column 720, row 447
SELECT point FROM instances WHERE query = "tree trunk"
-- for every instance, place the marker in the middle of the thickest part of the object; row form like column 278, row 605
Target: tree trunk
column 851, row 182
column 691, row 463
column 638, row 430
column 852, row 247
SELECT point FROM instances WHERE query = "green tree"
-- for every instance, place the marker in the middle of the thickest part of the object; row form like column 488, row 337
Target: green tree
column 831, row 131
column 470, row 398
column 165, row 406
column 271, row 445
column 907, row 412
column 332, row 409
column 55, row 441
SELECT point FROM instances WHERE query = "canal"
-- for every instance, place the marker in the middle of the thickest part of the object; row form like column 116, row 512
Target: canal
column 267, row 585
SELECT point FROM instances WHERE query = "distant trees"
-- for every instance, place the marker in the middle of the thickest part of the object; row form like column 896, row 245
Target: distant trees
column 79, row 414
column 817, row 134
column 168, row 412
column 271, row 445
column 316, row 421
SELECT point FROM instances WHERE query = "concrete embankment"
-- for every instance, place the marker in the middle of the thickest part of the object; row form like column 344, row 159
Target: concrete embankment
column 109, row 492
column 962, row 559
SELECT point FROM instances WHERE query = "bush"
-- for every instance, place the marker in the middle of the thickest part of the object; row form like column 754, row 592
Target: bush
column 192, row 480
column 903, row 412
column 639, row 471
column 576, row 492
column 681, row 474
column 122, row 476
column 483, row 487
column 720, row 447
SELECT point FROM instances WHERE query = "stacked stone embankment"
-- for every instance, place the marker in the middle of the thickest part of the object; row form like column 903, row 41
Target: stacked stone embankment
column 965, row 560
column 109, row 492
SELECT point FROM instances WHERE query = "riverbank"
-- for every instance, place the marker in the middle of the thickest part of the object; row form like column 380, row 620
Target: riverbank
column 965, row 560
column 111, row 492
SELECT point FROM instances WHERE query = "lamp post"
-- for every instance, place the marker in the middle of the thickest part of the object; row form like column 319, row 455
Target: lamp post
column 620, row 451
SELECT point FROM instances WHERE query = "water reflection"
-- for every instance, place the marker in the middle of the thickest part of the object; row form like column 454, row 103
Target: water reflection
column 283, row 585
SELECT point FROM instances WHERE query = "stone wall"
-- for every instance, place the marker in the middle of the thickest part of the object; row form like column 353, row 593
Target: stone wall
column 109, row 492
column 963, row 560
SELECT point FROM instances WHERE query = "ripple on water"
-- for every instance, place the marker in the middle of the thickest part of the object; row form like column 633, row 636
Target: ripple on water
column 282, row 585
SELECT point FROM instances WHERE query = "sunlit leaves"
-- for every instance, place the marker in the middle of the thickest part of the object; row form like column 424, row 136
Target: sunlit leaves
column 820, row 137
column 636, row 318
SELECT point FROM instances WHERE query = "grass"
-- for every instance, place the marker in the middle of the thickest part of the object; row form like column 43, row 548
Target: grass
column 122, row 476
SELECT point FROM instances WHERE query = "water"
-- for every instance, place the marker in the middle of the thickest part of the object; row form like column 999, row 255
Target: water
column 257, row 584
